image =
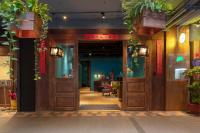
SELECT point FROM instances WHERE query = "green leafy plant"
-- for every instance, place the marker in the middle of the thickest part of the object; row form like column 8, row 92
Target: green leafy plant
column 194, row 71
column 133, row 8
column 194, row 89
column 10, row 10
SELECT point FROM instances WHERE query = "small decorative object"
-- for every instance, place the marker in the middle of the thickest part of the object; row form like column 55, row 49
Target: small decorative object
column 13, row 100
column 56, row 51
column 194, row 89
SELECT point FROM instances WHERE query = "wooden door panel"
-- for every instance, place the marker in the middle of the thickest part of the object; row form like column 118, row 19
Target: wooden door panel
column 63, row 90
column 64, row 102
column 64, row 86
column 136, row 100
column 136, row 86
column 135, row 90
column 136, row 94
column 65, row 94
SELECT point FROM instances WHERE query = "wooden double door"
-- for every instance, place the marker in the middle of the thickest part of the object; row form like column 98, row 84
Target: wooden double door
column 65, row 91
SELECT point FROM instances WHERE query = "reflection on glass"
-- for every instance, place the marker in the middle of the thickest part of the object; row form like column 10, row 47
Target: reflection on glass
column 179, row 73
column 135, row 66
column 64, row 65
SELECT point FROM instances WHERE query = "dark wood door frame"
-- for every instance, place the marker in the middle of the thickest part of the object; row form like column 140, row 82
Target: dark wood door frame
column 122, row 38
column 88, row 72
column 75, row 39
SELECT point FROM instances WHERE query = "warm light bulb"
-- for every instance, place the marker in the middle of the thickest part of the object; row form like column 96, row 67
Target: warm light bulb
column 54, row 51
column 65, row 17
column 182, row 38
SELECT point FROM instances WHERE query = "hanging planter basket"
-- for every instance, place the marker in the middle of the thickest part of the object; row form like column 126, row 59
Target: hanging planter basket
column 29, row 26
column 150, row 23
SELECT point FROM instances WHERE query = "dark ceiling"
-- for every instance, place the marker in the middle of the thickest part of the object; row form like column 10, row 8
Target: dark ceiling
column 87, row 13
column 100, row 49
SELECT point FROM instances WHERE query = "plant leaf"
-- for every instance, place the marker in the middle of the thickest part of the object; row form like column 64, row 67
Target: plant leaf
column 5, row 43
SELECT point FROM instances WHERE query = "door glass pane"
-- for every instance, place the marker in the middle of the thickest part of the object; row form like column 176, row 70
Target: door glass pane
column 64, row 65
column 135, row 66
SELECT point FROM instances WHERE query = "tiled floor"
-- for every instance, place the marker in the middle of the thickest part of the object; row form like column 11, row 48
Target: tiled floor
column 99, row 122
column 88, row 97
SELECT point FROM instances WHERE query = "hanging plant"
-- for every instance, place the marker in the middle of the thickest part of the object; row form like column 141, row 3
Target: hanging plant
column 10, row 12
column 135, row 10
column 43, row 12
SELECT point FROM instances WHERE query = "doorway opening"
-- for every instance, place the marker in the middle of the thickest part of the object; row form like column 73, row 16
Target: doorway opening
column 100, row 75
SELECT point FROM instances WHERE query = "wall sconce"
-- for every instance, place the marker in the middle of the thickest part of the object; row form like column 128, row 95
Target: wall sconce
column 142, row 50
column 56, row 51
column 182, row 38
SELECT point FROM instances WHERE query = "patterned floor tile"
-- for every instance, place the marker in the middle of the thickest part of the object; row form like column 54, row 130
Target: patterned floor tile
column 95, row 113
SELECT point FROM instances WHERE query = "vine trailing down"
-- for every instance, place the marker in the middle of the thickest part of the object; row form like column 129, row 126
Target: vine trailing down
column 10, row 11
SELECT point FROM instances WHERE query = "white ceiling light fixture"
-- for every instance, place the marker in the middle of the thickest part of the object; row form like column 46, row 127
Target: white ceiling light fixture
column 65, row 17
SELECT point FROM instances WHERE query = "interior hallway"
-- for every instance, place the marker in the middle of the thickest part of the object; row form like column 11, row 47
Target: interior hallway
column 93, row 99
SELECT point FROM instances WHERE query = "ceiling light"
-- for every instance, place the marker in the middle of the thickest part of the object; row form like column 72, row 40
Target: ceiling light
column 65, row 17
column 103, row 15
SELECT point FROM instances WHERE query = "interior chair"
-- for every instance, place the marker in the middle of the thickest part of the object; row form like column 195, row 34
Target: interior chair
column 107, row 90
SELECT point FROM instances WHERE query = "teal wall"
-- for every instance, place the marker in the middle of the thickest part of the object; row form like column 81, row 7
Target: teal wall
column 104, row 66
column 64, row 64
column 136, row 69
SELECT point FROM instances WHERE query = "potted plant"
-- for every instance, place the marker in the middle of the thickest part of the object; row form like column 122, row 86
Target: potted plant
column 194, row 89
column 146, row 16
column 24, row 19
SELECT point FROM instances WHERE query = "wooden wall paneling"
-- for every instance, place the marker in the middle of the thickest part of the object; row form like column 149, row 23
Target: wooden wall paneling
column 176, row 98
column 4, row 102
column 176, row 92
column 148, row 82
column 42, row 89
column 157, row 92
column 76, row 74
column 4, row 51
column 124, row 92
column 51, row 77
